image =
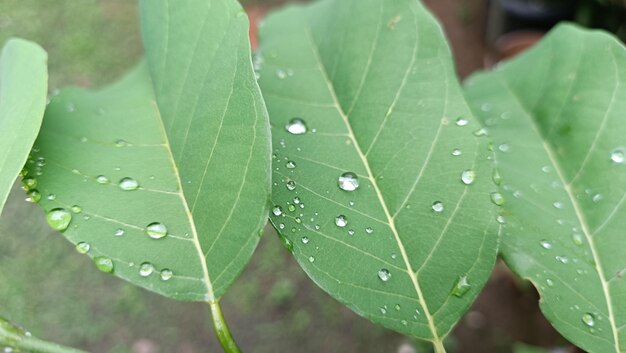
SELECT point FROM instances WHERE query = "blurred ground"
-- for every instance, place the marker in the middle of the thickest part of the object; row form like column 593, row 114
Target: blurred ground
column 273, row 307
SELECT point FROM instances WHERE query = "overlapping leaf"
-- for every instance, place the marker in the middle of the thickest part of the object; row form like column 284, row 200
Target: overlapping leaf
column 557, row 117
column 368, row 88
column 23, row 89
column 165, row 174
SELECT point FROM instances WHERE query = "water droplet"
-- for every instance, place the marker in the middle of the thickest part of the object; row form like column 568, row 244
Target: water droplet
column 456, row 152
column 291, row 185
column 501, row 219
column 481, row 132
column 101, row 179
column 348, row 181
column 277, row 210
column 369, row 230
column 146, row 269
column 438, row 206
column 83, row 247
column 156, row 230
column 350, row 231
column 296, row 200
column 305, row 240
column 129, row 184
column 296, row 126
column 497, row 198
column 404, row 322
column 281, row 74
column 546, row 244
column 52, row 197
column 76, row 209
column 462, row 121
column 311, row 259
column 341, row 221
column 504, row 147
column 468, row 176
column 122, row 143
column 384, row 275
column 59, row 219
column 103, row 264
column 550, row 282
column 383, row 310
column 597, row 198
column 119, row 232
column 166, row 274
column 461, row 287
column 486, row 107
column 588, row 319
column 40, row 161
column 577, row 239
column 397, row 307
column 496, row 177
column 29, row 183
column 558, row 204
column 562, row 259
column 33, row 196
column 618, row 155
column 290, row 165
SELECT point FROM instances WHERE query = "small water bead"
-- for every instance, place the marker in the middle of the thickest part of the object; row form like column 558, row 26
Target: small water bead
column 156, row 230
column 383, row 310
column 369, row 230
column 298, row 220
column 277, row 210
column 438, row 206
column 577, row 239
column 351, row 232
column 481, row 132
column 397, row 307
column 101, row 179
column 468, row 177
column 146, row 269
column 33, row 196
column 562, row 259
column 281, row 74
column 311, row 259
column 501, row 219
column 291, row 208
column 40, row 161
column 384, row 275
column 305, row 240
column 83, row 247
column 588, row 319
column 558, row 204
column 104, row 264
column 461, row 287
column 504, row 147
column 296, row 126
column 129, row 184
column 52, row 197
column 290, row 165
column 76, row 209
column 296, row 200
column 119, row 232
column 546, row 244
column 597, row 198
column 456, row 152
column 462, row 121
column 122, row 143
column 341, row 221
column 348, row 181
column 550, row 282
column 497, row 198
column 166, row 274
column 496, row 177
column 29, row 183
column 59, row 219
column 618, row 155
column 291, row 185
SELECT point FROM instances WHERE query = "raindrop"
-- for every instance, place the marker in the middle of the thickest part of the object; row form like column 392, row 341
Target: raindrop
column 119, row 232
column 76, row 209
column 504, row 147
column 103, row 263
column 456, row 152
column 291, row 208
column 597, row 198
column 351, row 232
column 146, row 269
column 577, row 239
column 277, row 210
column 281, row 74
column 497, row 198
column 550, row 282
column 341, row 221
column 311, row 259
column 83, row 247
column 562, row 259
column 369, row 230
column 404, row 322
column 397, row 307
column 59, row 219
column 156, row 230
column 129, row 184
column 468, row 176
column 122, row 143
column 29, row 183
column 52, row 197
column 461, row 287
column 546, row 244
column 486, row 107
column 305, row 240
column 101, row 179
column 348, row 181
column 588, row 319
column 383, row 310
column 166, row 274
column 558, row 204
column 497, row 178
column 291, row 185
column 501, row 219
column 296, row 126
column 33, row 196
column 618, row 155
column 462, row 121
column 296, row 200
column 384, row 275
column 290, row 165
column 438, row 206
column 481, row 132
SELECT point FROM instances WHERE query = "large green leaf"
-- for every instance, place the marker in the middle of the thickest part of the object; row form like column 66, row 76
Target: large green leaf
column 23, row 89
column 373, row 84
column 557, row 117
column 198, row 148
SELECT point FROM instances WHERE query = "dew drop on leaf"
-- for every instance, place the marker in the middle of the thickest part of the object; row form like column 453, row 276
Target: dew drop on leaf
column 83, row 247
column 76, row 209
column 384, row 275
column 291, row 185
column 438, row 206
column 166, row 274
column 129, row 184
column 497, row 178
column 369, row 230
column 468, row 176
column 497, row 198
column 156, row 230
column 296, row 126
column 119, row 232
column 618, row 155
column 546, row 244
column 291, row 208
column 348, row 181
column 33, row 196
column 504, row 147
column 341, row 221
column 456, row 152
column 588, row 319
column 305, row 240
column 103, row 264
column 290, row 165
column 311, row 259
column 462, row 121
column 461, row 287
column 277, row 210
column 29, row 183
column 101, row 179
column 146, row 269
column 52, row 197
column 59, row 219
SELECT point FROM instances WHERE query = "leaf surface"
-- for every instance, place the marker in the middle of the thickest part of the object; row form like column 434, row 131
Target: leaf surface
column 374, row 85
column 197, row 148
column 23, row 89
column 556, row 115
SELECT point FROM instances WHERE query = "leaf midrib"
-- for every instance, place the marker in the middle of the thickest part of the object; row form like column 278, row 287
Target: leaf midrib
column 577, row 210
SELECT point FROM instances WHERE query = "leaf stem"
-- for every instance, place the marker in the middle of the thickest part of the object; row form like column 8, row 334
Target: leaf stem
column 221, row 329
column 438, row 345
column 16, row 338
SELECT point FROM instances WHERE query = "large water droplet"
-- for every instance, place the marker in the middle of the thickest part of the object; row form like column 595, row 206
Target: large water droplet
column 461, row 287
column 497, row 198
column 588, row 319
column 129, row 184
column 83, row 247
column 468, row 176
column 29, row 183
column 348, row 181
column 277, row 210
column 101, row 179
column 438, row 206
column 166, row 274
column 341, row 221
column 146, row 269
column 618, row 155
column 296, row 126
column 290, row 165
column 384, row 275
column 156, row 230
column 59, row 219
column 33, row 196
column 103, row 263
column 291, row 185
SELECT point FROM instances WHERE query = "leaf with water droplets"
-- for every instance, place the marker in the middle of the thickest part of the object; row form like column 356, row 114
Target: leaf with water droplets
column 565, row 101
column 23, row 89
column 165, row 174
column 377, row 123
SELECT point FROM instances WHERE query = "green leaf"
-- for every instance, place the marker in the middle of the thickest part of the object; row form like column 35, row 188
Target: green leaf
column 373, row 84
column 23, row 89
column 557, row 119
column 523, row 348
column 171, row 184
